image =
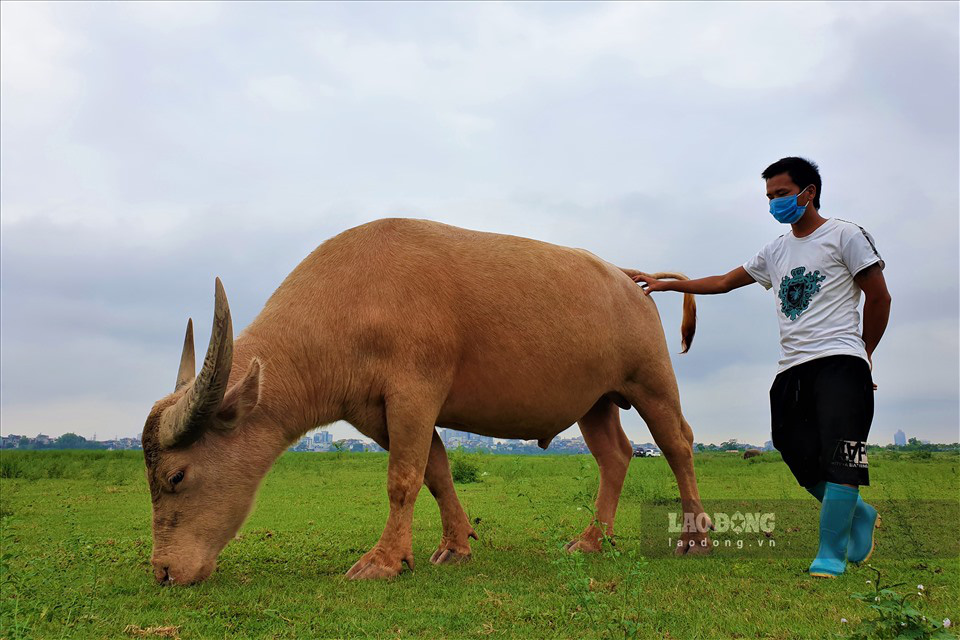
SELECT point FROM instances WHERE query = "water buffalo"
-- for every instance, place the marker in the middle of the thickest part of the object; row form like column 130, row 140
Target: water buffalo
column 398, row 326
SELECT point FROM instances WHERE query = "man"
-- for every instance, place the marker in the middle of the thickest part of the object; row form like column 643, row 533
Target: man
column 821, row 401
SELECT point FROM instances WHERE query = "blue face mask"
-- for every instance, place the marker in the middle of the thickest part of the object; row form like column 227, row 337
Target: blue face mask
column 785, row 209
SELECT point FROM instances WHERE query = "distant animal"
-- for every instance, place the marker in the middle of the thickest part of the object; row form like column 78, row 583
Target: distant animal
column 398, row 326
column 751, row 453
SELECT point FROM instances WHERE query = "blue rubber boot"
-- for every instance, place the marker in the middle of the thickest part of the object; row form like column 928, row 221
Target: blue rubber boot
column 862, row 530
column 836, row 518
column 862, row 533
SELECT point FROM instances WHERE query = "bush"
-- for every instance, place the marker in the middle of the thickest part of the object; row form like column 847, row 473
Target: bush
column 10, row 467
column 464, row 469
column 57, row 464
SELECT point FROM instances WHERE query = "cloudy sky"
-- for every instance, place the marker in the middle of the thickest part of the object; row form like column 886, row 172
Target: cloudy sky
column 147, row 148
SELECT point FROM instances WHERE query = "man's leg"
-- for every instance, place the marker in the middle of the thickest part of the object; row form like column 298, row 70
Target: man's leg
column 793, row 435
column 843, row 404
column 817, row 490
column 798, row 439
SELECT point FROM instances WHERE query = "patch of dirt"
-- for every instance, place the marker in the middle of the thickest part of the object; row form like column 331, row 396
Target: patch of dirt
column 152, row 632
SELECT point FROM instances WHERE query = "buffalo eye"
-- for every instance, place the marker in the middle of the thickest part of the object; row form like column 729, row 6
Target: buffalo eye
column 177, row 478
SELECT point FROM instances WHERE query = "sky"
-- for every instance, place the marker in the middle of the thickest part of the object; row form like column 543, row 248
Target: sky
column 146, row 148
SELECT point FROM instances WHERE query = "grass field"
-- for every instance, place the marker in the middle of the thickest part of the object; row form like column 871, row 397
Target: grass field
column 76, row 548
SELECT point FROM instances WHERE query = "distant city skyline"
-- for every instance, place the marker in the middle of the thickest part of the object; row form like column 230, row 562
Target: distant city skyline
column 323, row 440
column 326, row 436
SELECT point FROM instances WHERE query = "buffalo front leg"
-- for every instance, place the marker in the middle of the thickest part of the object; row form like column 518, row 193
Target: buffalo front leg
column 409, row 426
column 455, row 544
column 610, row 446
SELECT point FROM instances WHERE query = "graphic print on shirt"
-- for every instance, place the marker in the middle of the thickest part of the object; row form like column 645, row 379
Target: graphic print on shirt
column 797, row 290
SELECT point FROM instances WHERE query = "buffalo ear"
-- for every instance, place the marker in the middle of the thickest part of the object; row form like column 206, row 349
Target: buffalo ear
column 241, row 398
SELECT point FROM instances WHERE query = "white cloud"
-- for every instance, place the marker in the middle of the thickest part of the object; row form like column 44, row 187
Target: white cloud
column 173, row 16
column 33, row 47
column 283, row 92
column 918, row 361
column 732, row 399
column 148, row 147
column 509, row 47
column 465, row 128
column 85, row 416
column 37, row 80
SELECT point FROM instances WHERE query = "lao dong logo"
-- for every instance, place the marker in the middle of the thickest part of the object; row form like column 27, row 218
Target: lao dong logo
column 722, row 521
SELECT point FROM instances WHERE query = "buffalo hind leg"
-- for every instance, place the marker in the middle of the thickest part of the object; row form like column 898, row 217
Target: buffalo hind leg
column 610, row 446
column 455, row 544
column 674, row 437
column 410, row 422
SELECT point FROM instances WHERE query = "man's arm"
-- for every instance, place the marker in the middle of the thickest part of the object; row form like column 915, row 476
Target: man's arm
column 713, row 284
column 876, row 306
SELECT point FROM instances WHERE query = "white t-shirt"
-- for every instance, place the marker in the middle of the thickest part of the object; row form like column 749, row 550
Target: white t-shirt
column 817, row 299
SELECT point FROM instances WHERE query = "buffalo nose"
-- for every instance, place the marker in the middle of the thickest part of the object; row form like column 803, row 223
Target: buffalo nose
column 162, row 574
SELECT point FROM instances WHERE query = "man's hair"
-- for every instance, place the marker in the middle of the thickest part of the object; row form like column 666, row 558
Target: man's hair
column 803, row 173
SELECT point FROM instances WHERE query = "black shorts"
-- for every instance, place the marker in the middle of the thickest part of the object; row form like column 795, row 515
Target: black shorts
column 821, row 412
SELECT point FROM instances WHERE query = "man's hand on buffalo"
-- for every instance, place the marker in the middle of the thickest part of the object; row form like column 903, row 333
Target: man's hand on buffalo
column 649, row 284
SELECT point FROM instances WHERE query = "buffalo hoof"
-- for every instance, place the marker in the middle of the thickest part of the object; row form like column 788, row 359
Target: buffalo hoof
column 454, row 549
column 694, row 547
column 582, row 545
column 375, row 565
column 444, row 555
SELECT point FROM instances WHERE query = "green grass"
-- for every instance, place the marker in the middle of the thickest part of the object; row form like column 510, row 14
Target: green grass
column 76, row 548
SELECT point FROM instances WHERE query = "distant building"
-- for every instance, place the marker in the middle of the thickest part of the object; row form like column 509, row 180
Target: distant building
column 353, row 445
column 899, row 438
column 454, row 438
column 132, row 443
